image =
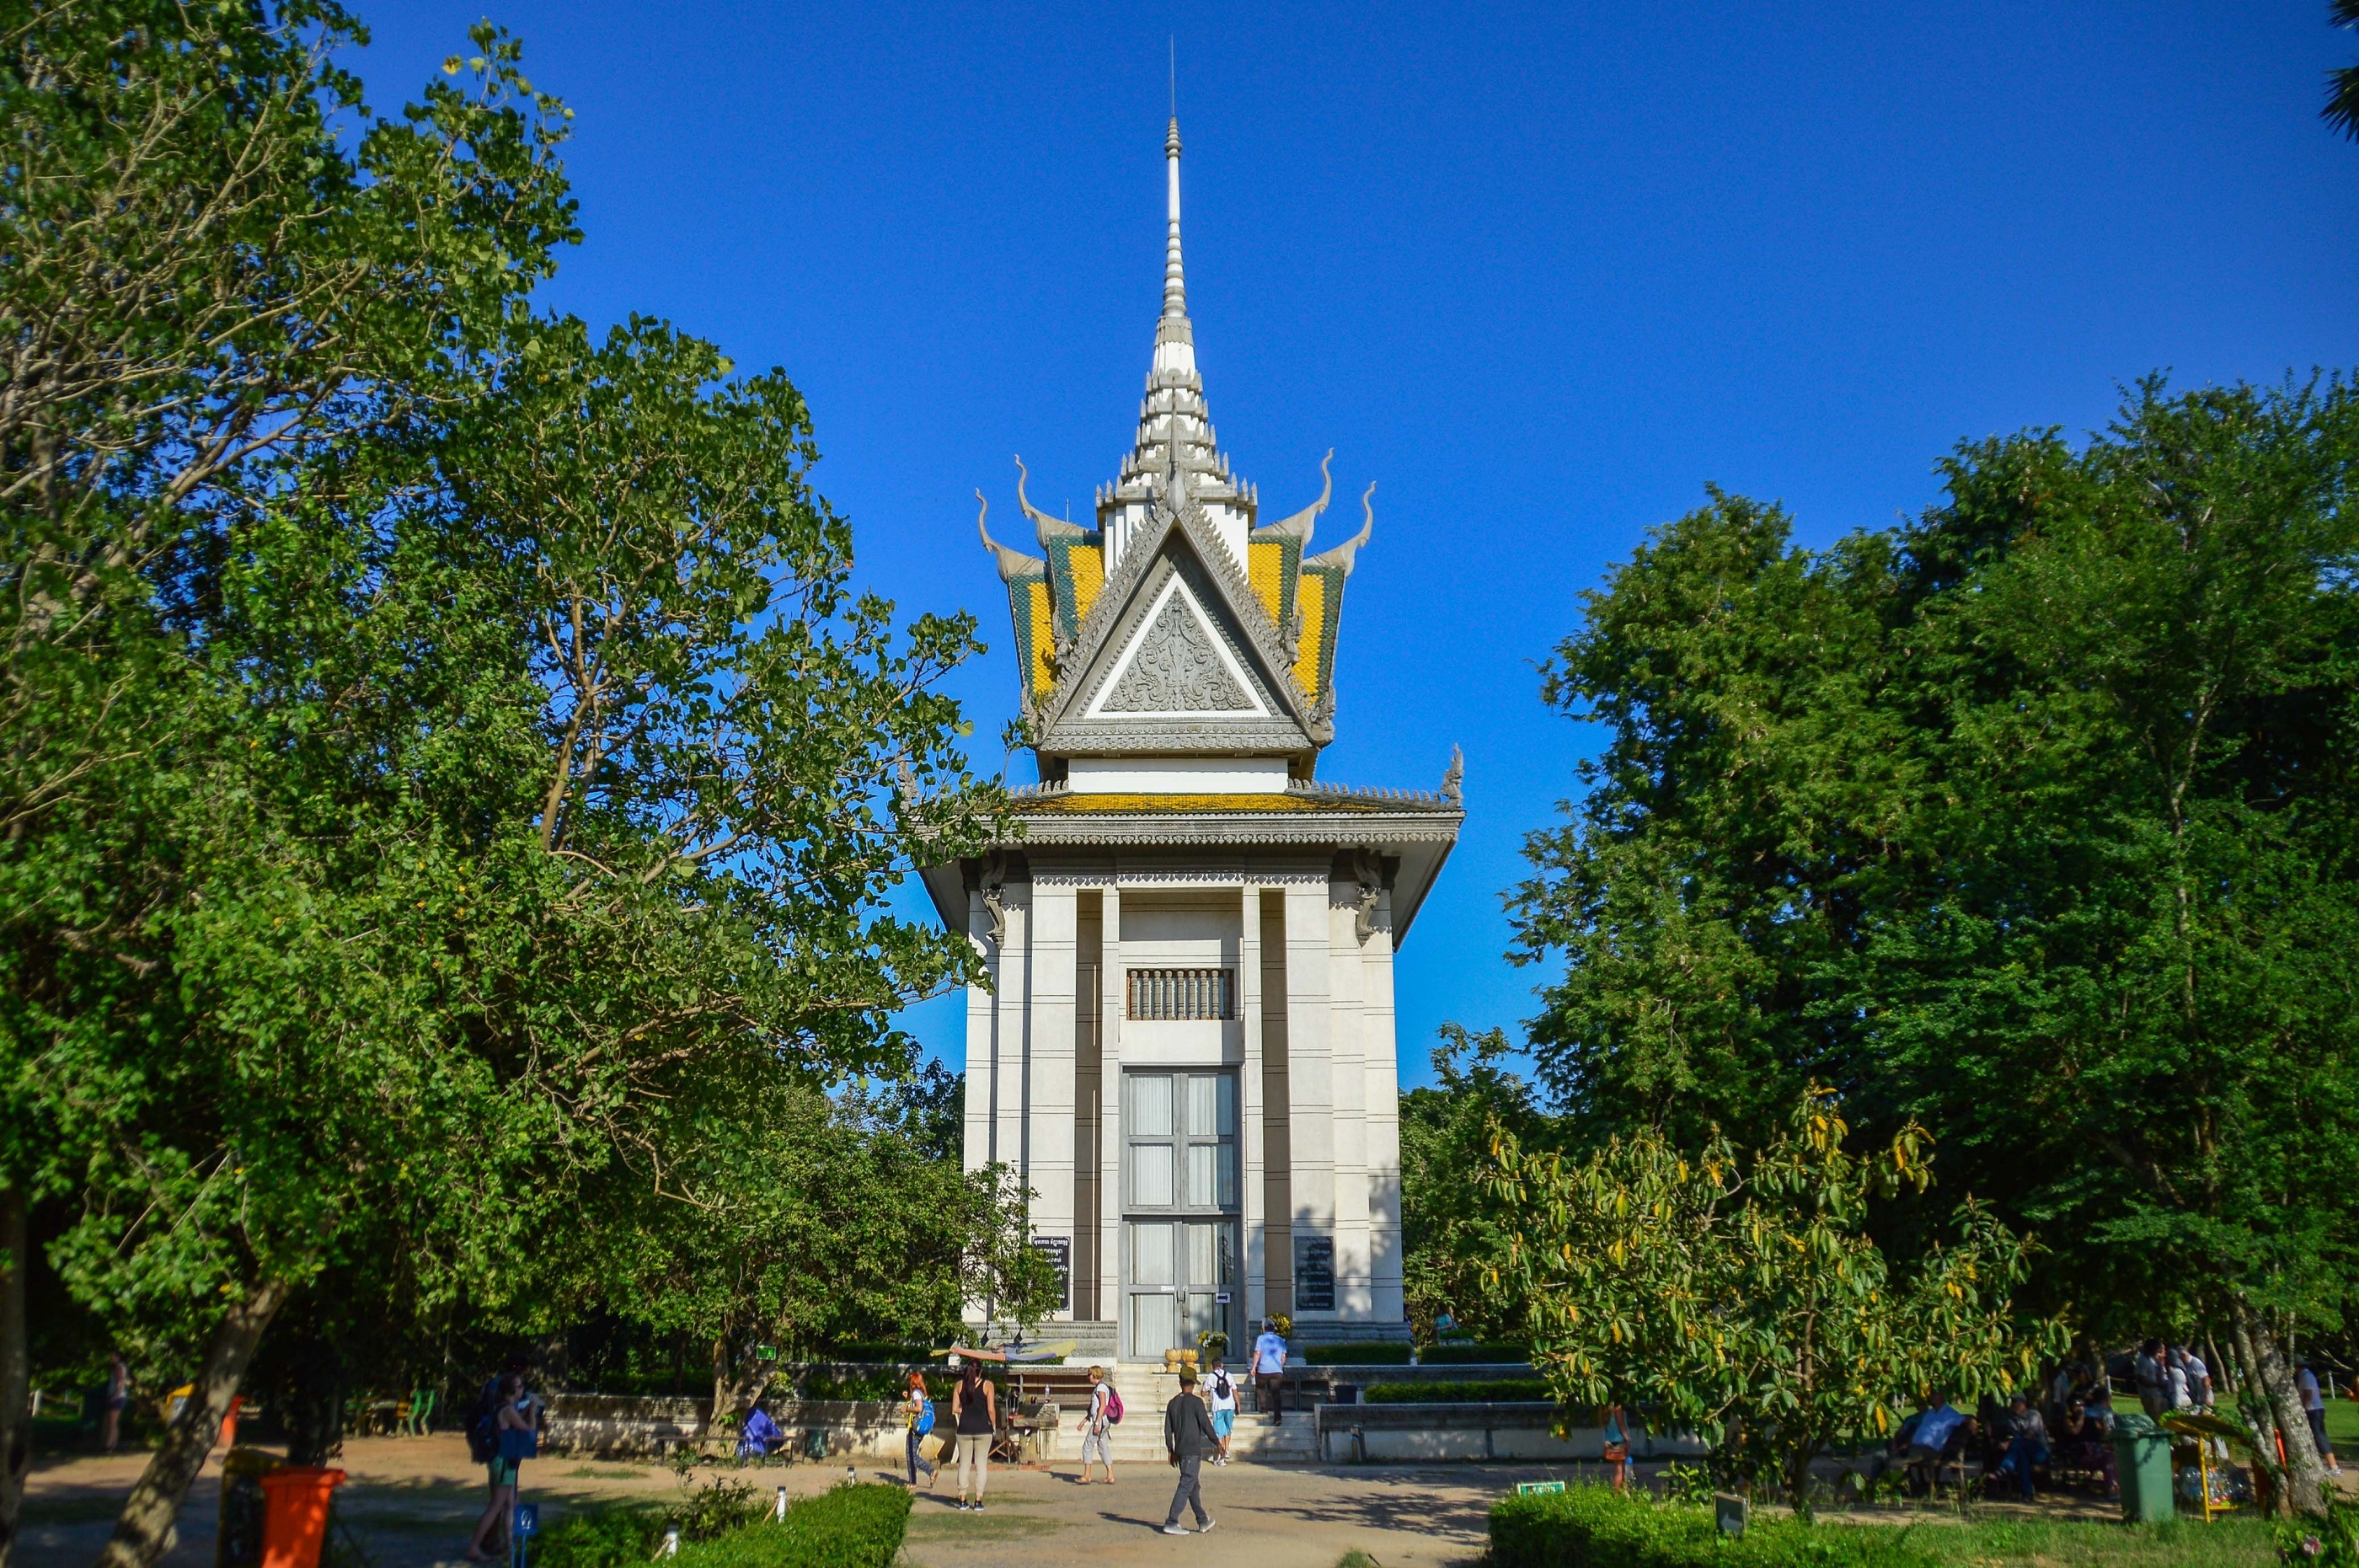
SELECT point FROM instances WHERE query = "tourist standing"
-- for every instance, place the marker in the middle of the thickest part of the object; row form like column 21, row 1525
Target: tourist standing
column 918, row 1410
column 118, row 1397
column 1615, row 1423
column 974, row 1412
column 2151, row 1387
column 1221, row 1398
column 515, row 1429
column 1097, row 1427
column 1187, row 1435
column 1268, row 1367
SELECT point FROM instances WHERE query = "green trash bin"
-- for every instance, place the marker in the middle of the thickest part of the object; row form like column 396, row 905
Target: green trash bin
column 2142, row 1455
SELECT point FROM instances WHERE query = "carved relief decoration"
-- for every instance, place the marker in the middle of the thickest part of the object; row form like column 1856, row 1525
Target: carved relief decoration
column 1176, row 670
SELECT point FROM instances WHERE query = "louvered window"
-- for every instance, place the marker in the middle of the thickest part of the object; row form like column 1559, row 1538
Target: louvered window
column 1181, row 993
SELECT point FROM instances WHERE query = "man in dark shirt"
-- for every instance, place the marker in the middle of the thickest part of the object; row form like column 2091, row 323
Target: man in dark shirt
column 1188, row 1436
column 2025, row 1438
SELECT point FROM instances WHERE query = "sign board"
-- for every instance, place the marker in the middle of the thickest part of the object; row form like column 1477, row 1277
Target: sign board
column 1220, row 1297
column 1537, row 1488
column 1730, row 1512
column 528, row 1518
column 1058, row 1251
column 1314, row 1273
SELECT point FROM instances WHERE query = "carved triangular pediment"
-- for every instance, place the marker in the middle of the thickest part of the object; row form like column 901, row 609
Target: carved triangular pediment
column 1177, row 665
column 1177, row 655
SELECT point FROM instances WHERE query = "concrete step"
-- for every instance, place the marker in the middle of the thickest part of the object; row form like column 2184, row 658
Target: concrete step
column 1147, row 1389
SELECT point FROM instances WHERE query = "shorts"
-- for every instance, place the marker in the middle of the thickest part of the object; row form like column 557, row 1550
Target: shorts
column 503, row 1471
column 1224, row 1422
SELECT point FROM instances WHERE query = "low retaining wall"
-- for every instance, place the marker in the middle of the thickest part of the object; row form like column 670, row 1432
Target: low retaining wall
column 1505, row 1431
column 622, row 1426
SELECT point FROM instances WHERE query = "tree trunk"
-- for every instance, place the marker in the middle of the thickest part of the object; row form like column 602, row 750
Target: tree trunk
column 2271, row 1381
column 143, row 1533
column 15, row 1369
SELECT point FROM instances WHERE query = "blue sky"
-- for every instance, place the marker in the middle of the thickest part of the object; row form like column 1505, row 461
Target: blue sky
column 1541, row 273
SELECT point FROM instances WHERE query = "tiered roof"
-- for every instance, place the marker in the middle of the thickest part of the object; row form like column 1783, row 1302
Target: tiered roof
column 1269, row 609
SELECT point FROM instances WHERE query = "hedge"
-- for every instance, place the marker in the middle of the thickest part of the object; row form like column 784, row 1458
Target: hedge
column 1589, row 1526
column 1478, row 1392
column 1373, row 1353
column 1482, row 1355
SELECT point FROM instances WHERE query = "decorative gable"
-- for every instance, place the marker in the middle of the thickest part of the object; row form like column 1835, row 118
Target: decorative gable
column 1177, row 654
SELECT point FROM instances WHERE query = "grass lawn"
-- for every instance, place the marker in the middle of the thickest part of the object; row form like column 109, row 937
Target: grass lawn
column 2224, row 1543
column 2343, row 1425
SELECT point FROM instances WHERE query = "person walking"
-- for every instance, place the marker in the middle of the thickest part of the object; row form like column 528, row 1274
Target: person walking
column 1268, row 1367
column 2313, row 1405
column 516, row 1430
column 1097, row 1427
column 1188, row 1435
column 974, row 1412
column 918, row 1414
column 1221, row 1398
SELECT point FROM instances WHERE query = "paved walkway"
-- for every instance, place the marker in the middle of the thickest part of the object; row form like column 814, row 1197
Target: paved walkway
column 412, row 1501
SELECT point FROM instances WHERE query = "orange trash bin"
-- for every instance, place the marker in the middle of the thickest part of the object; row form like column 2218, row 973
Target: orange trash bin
column 295, row 1515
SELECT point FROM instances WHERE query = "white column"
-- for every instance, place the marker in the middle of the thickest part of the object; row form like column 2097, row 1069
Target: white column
column 1050, row 1109
column 1111, row 1194
column 1250, row 1153
column 982, row 1059
column 1346, row 1055
column 1380, row 1068
column 1014, row 1009
column 1310, row 1107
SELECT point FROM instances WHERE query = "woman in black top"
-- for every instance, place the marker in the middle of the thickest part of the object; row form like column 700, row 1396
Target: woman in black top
column 974, row 1410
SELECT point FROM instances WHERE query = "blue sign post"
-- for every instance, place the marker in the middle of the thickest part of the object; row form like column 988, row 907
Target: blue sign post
column 527, row 1526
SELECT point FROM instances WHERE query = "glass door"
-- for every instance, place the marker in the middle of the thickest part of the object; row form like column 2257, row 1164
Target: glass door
column 1179, row 1191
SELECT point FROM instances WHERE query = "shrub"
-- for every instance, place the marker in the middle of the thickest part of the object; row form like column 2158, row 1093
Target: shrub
column 851, row 1526
column 1596, row 1527
column 1483, row 1391
column 621, row 1536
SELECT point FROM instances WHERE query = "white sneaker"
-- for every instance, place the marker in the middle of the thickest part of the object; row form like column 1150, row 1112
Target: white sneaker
column 1175, row 1529
column 1206, row 1528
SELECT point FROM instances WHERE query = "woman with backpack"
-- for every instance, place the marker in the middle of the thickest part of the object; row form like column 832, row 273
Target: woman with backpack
column 1097, row 1427
column 974, row 1412
column 919, row 1407
column 514, row 1438
column 1221, row 1398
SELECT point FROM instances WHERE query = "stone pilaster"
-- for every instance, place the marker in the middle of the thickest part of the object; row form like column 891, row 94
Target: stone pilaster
column 1309, row 1078
column 1048, row 1104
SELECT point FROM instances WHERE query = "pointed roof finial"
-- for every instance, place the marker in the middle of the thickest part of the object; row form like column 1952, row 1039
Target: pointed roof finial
column 1175, row 283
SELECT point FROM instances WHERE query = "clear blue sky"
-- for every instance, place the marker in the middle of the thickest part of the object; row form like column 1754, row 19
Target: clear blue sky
column 1542, row 274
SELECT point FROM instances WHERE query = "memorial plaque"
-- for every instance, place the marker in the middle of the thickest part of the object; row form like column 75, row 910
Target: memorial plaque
column 1314, row 1273
column 1059, row 1250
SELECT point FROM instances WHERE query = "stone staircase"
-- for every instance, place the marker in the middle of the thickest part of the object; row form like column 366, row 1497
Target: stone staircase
column 1147, row 1389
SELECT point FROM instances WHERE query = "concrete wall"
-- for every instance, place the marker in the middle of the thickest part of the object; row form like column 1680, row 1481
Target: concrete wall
column 1416, row 1433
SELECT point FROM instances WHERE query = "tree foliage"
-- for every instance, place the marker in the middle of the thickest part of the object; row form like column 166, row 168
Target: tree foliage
column 1741, row 1296
column 2032, row 820
column 449, row 784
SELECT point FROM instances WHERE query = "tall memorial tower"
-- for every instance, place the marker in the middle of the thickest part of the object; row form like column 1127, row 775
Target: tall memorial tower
column 1187, row 1048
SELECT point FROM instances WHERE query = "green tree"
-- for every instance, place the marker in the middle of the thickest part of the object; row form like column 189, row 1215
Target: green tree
column 815, row 1222
column 1741, row 1296
column 1453, row 1228
column 201, row 272
column 2342, row 109
column 2032, row 820
column 440, row 797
